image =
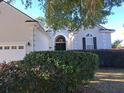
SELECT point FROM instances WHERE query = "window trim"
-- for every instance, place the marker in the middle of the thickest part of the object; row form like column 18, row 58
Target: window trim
column 20, row 47
column 6, row 47
column 13, row 47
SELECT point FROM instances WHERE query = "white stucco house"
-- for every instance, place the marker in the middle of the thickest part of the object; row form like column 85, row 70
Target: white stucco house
column 20, row 35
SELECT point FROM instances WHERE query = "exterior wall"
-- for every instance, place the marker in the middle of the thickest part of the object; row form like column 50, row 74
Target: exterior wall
column 14, row 31
column 74, row 39
column 13, row 27
column 53, row 36
column 77, row 41
column 106, row 40
column 41, row 41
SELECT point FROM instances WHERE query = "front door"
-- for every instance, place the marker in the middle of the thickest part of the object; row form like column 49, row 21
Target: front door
column 60, row 43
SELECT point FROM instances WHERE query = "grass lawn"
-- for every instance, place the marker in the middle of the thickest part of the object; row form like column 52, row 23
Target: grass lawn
column 108, row 81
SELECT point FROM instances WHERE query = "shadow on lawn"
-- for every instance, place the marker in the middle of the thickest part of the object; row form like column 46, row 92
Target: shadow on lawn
column 109, row 81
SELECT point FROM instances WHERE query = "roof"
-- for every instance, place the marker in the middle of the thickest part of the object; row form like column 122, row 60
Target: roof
column 106, row 30
column 103, row 29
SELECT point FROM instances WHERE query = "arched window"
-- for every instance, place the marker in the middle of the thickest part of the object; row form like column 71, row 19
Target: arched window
column 60, row 43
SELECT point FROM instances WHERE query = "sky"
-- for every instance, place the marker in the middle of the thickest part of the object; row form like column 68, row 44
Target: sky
column 115, row 21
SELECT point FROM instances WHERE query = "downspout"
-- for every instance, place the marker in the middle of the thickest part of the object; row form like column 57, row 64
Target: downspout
column 33, row 33
column 33, row 39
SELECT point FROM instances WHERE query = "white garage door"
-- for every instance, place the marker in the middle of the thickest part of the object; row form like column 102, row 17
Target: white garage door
column 12, row 52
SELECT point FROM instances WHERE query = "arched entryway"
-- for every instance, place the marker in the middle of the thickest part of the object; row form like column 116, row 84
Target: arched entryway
column 60, row 43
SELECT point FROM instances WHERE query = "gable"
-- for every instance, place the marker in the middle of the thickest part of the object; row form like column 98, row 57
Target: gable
column 13, row 25
column 105, row 30
column 12, row 8
column 8, row 9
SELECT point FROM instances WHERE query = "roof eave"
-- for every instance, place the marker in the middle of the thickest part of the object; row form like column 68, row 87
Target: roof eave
column 106, row 30
column 28, row 21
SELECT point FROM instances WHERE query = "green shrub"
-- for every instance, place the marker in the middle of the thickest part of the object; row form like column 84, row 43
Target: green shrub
column 49, row 72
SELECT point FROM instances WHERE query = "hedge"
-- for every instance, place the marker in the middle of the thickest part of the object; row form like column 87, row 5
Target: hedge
column 113, row 58
column 48, row 72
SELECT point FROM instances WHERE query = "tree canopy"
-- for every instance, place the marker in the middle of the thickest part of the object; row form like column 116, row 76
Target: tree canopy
column 117, row 44
column 75, row 13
